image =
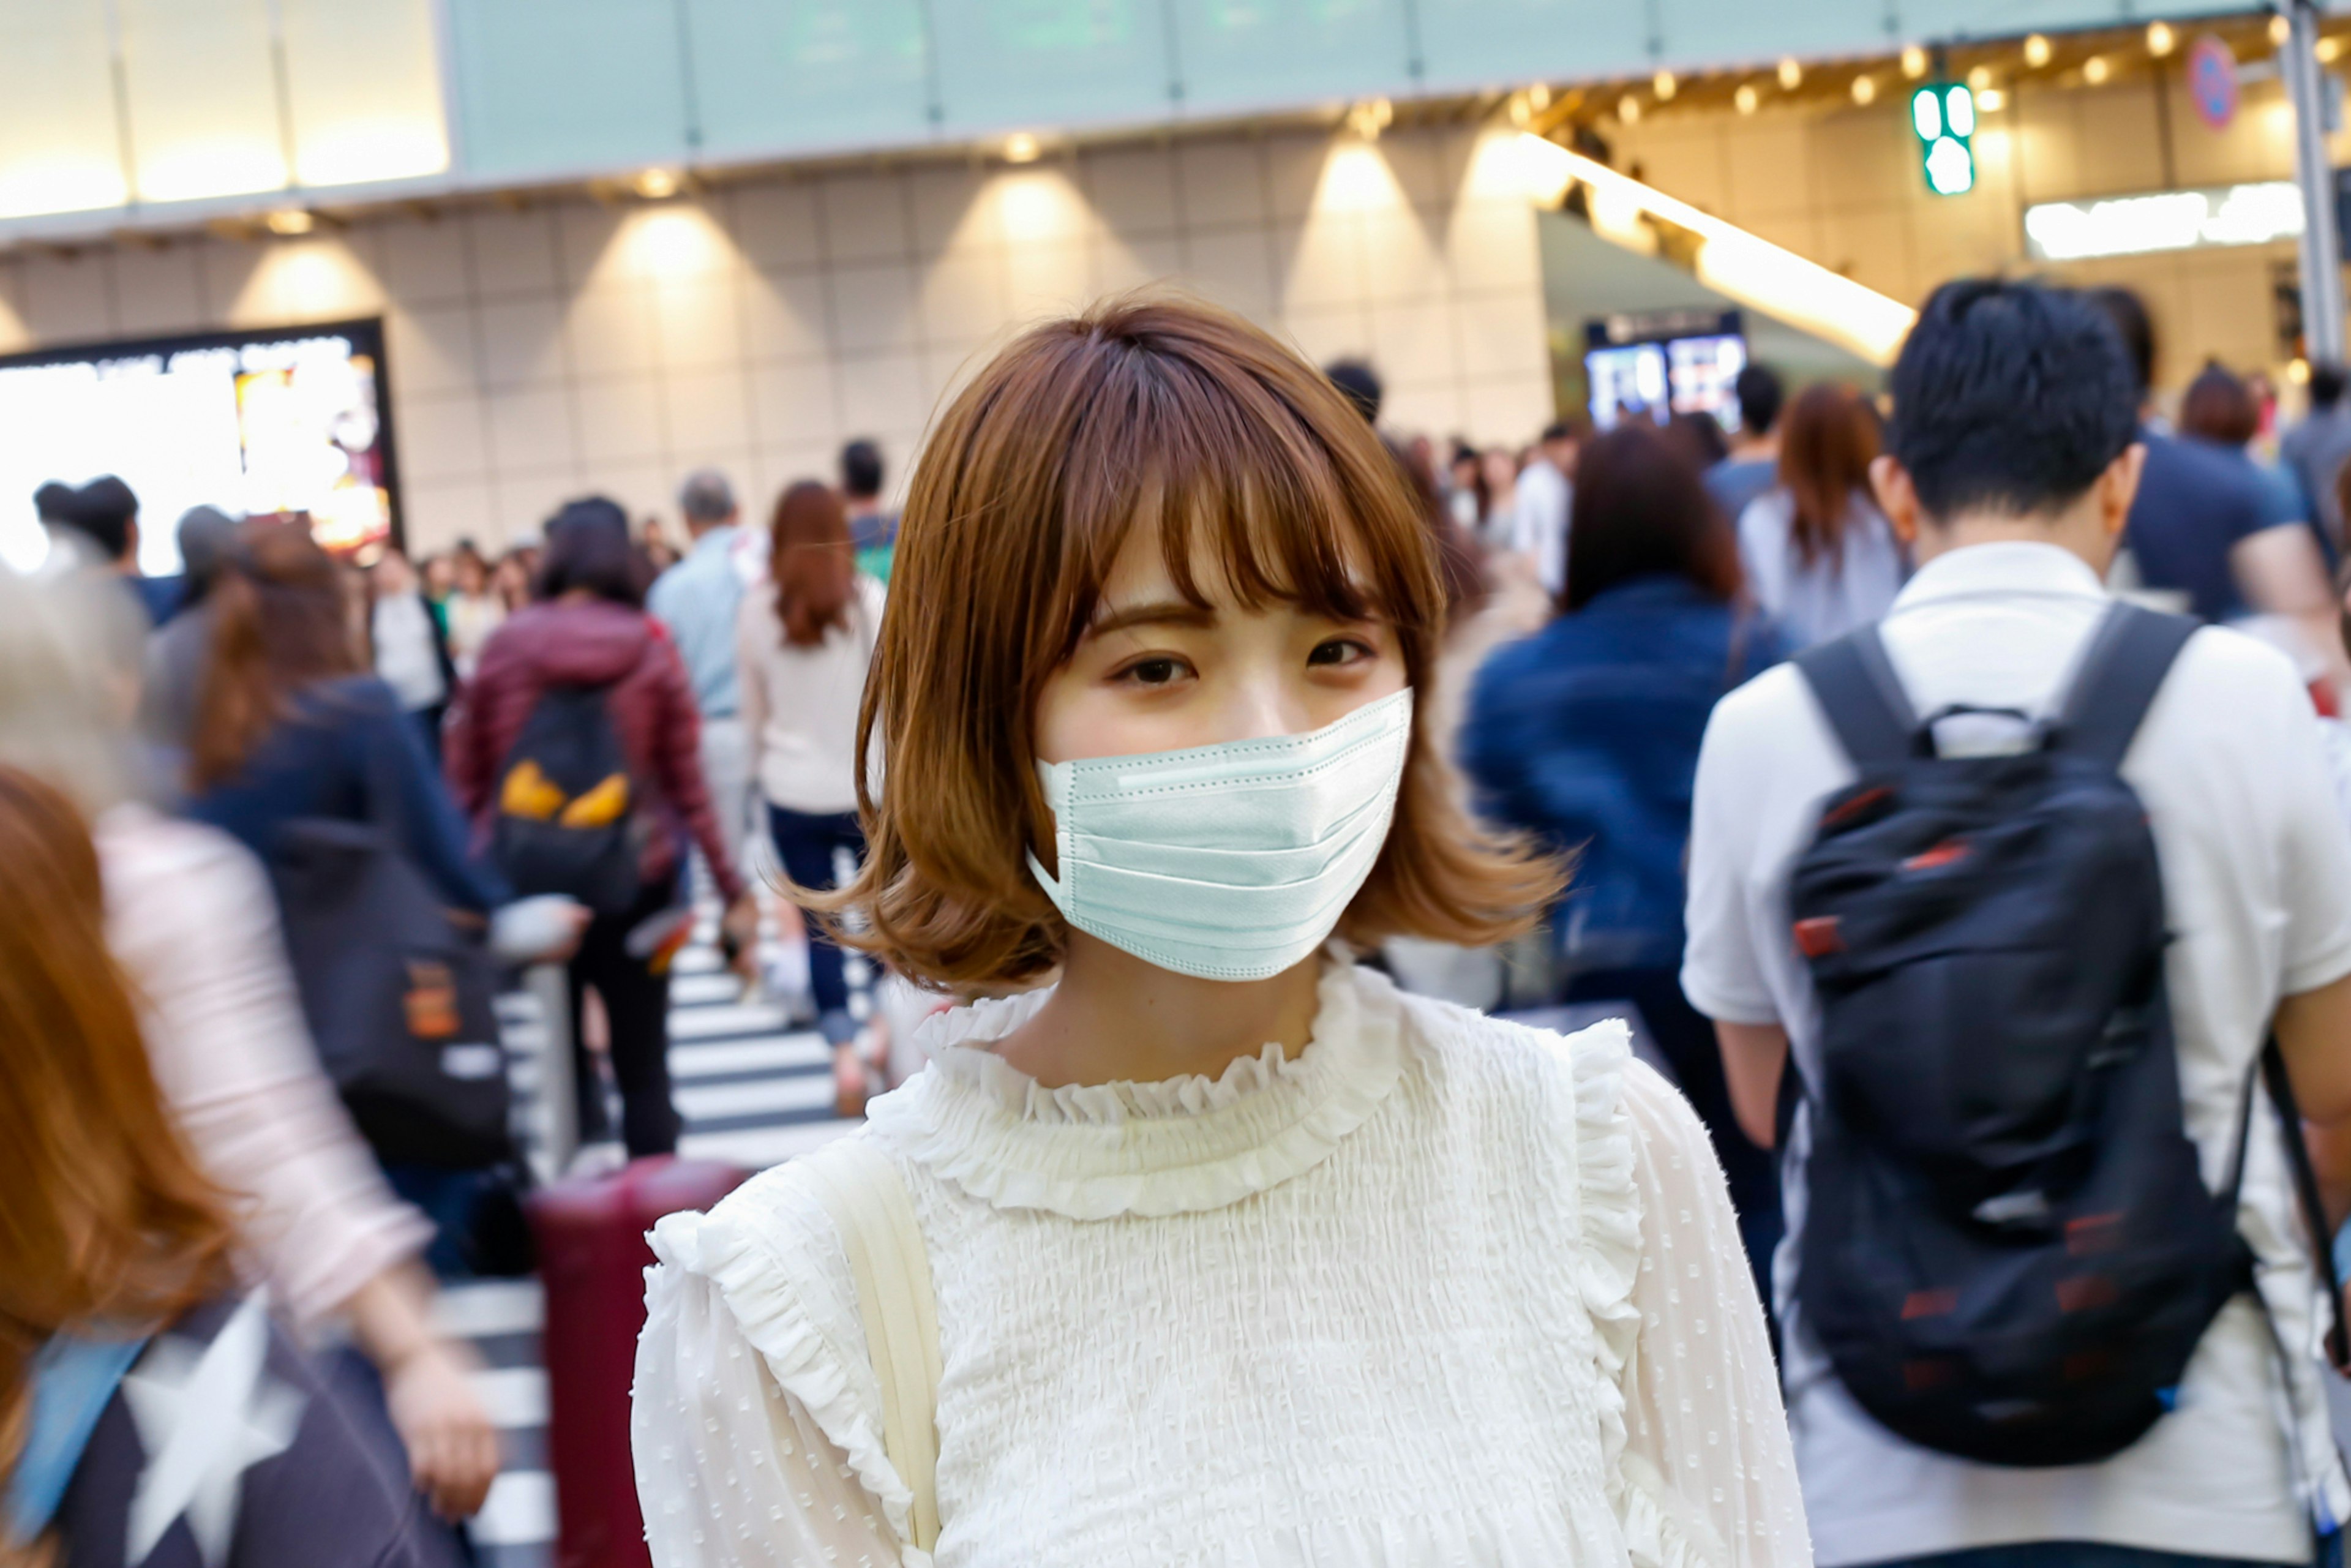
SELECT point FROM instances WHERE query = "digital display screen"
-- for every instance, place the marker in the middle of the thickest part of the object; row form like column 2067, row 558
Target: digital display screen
column 1655, row 366
column 286, row 424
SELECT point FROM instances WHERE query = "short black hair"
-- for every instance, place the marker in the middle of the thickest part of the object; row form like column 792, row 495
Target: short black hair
column 103, row 509
column 588, row 546
column 1760, row 394
column 2011, row 397
column 1557, row 430
column 1359, row 383
column 861, row 469
column 2128, row 313
column 2327, row 380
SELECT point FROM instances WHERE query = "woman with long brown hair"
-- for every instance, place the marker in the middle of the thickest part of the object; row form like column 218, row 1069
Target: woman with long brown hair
column 119, row 1301
column 801, row 653
column 1820, row 557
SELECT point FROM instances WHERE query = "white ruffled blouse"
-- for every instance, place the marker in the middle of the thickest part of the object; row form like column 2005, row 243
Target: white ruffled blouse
column 1438, row 1291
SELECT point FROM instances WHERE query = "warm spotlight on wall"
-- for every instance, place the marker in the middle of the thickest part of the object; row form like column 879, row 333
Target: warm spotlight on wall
column 1792, row 73
column 1371, row 117
column 657, row 185
column 1991, row 101
column 2159, row 38
column 1980, row 77
column 1021, row 147
column 1864, row 89
column 1628, row 110
column 2095, row 70
column 2036, row 51
column 1664, row 85
column 1746, row 98
column 290, row 221
column 1914, row 61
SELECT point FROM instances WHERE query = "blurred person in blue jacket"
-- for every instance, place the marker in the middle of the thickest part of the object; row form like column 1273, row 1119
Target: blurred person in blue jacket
column 1586, row 736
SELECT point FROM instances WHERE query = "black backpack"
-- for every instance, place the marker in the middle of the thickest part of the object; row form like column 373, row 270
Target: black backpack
column 2008, row 1251
column 567, row 817
column 399, row 1001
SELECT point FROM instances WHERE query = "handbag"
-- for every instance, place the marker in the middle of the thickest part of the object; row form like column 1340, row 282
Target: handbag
column 861, row 1190
column 401, row 1004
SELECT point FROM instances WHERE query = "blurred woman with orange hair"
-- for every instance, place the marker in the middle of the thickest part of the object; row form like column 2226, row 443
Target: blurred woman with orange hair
column 147, row 1414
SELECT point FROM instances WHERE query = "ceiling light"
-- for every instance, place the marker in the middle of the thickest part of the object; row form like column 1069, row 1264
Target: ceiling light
column 1914, row 61
column 290, row 221
column 1792, row 74
column 2280, row 30
column 1745, row 98
column 1021, row 147
column 657, row 183
column 1628, row 110
column 2329, row 50
column 2095, row 70
column 1991, row 101
column 1980, row 77
column 1665, row 85
column 1864, row 89
column 2159, row 38
column 2036, row 51
column 1367, row 119
column 1539, row 96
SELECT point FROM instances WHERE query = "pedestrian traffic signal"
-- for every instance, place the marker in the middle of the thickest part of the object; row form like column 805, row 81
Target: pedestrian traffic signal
column 1944, row 116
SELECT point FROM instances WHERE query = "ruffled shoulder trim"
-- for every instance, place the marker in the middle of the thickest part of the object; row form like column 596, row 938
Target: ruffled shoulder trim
column 1183, row 1147
column 1608, row 1201
column 772, row 1253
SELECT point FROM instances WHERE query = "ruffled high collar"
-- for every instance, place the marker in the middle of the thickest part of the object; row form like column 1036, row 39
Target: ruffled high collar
column 1182, row 1146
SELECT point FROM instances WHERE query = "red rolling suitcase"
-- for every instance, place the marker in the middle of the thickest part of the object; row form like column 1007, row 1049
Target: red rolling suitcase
column 593, row 1257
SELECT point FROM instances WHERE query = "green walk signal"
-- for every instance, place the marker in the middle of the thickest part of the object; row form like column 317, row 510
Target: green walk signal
column 1943, row 115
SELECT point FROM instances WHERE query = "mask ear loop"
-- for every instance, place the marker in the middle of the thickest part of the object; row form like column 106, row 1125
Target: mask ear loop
column 1048, row 775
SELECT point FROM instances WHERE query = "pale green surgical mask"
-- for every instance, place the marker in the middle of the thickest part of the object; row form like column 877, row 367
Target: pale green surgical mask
column 1229, row 861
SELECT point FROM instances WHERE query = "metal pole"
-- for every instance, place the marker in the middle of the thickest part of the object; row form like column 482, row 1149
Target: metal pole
column 2322, row 258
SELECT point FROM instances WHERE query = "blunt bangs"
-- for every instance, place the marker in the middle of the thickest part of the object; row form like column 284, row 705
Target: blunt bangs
column 1231, row 476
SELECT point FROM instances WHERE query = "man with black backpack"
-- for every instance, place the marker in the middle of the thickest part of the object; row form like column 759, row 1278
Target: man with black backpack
column 1997, row 907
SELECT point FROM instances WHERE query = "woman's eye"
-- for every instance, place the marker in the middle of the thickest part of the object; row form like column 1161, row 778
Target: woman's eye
column 1339, row 651
column 1157, row 672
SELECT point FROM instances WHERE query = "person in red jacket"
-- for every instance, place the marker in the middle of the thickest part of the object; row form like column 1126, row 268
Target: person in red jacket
column 589, row 628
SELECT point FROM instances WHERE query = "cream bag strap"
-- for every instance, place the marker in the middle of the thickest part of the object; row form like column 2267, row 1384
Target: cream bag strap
column 867, row 1198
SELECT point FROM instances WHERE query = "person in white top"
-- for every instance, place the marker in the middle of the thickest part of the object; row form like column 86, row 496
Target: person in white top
column 2014, row 463
column 1239, row 1255
column 801, row 648
column 1539, row 507
column 1819, row 555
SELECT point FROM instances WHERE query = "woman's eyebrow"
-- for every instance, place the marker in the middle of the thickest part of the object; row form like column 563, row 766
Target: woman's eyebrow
column 1158, row 612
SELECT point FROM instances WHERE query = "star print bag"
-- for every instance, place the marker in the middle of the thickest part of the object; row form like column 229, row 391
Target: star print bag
column 212, row 1444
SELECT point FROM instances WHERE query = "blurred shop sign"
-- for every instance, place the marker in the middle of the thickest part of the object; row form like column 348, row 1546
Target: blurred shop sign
column 2212, row 81
column 2164, row 220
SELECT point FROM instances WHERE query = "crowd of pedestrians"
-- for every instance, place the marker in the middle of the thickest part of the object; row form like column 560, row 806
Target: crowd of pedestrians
column 1935, row 790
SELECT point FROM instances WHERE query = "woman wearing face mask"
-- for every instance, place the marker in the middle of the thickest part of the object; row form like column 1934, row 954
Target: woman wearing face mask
column 1238, row 1254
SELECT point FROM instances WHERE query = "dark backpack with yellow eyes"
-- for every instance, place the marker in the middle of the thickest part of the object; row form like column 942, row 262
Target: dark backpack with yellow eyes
column 567, row 819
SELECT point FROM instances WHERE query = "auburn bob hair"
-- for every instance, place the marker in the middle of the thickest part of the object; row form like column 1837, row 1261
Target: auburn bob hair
column 1151, row 412
column 104, row 1216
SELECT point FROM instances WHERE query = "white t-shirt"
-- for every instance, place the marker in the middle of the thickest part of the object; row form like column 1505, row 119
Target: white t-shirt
column 1539, row 521
column 1832, row 595
column 2257, row 885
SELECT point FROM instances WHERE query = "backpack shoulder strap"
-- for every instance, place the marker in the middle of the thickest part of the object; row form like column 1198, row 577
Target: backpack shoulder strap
column 74, row 1378
column 1857, row 687
column 866, row 1196
column 2121, row 668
